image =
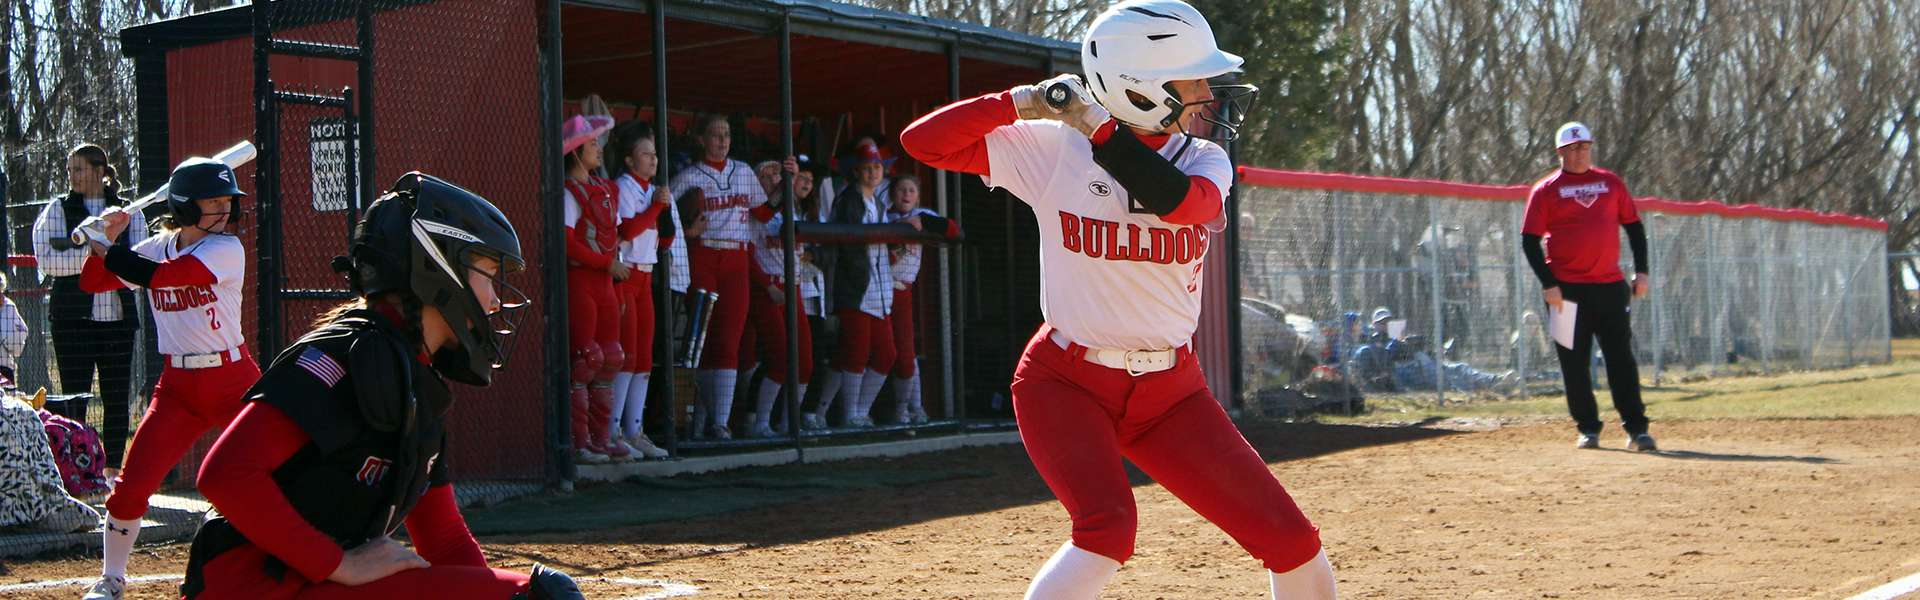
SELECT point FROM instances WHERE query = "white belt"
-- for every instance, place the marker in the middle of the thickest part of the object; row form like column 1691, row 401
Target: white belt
column 724, row 244
column 1134, row 362
column 641, row 267
column 205, row 361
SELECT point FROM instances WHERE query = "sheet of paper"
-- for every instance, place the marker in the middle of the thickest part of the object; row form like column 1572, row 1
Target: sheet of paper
column 1560, row 323
column 1397, row 329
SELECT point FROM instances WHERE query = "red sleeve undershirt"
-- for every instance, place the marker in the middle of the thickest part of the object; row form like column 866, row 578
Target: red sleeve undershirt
column 648, row 218
column 439, row 533
column 1201, row 205
column 763, row 213
column 179, row 272
column 954, row 138
column 237, row 477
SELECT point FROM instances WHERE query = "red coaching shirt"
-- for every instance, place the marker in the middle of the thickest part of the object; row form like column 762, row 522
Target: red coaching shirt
column 1578, row 216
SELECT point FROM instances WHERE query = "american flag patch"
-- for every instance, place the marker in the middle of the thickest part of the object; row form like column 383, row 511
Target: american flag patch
column 321, row 365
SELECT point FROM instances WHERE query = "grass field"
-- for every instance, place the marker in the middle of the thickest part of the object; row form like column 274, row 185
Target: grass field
column 1886, row 390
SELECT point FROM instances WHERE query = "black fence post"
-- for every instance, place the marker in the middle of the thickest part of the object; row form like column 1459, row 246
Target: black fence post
column 789, row 393
column 662, row 296
column 553, row 249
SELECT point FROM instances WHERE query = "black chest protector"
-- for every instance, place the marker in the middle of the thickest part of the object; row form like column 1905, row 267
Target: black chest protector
column 376, row 419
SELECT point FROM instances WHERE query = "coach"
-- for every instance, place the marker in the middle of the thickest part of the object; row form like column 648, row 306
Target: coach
column 1568, row 235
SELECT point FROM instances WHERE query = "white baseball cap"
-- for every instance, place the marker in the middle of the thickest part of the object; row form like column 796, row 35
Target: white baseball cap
column 1573, row 132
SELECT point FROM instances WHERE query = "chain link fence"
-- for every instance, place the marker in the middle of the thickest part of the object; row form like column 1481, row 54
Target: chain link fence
column 1734, row 290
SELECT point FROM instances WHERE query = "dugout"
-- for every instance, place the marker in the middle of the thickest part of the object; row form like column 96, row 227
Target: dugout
column 474, row 91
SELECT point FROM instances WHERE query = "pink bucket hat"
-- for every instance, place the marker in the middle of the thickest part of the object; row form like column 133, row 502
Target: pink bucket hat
column 578, row 129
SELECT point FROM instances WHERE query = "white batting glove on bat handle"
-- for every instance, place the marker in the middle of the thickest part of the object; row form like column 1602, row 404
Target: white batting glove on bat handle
column 1063, row 98
column 92, row 229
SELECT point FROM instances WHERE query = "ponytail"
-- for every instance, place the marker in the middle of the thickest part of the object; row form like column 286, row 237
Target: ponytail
column 112, row 187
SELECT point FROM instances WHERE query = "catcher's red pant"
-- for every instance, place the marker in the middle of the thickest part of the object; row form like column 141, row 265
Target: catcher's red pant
column 240, row 573
column 186, row 403
column 1078, row 419
column 866, row 342
column 636, row 321
column 903, row 332
column 723, row 271
column 770, row 330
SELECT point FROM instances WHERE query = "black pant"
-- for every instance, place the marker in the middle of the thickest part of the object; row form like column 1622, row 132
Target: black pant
column 81, row 345
column 1603, row 312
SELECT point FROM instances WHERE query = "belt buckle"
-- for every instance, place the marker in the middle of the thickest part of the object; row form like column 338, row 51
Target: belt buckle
column 1128, row 359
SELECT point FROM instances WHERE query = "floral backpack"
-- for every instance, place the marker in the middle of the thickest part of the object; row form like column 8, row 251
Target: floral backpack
column 78, row 452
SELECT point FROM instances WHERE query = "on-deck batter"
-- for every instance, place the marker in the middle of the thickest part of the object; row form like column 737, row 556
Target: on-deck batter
column 193, row 273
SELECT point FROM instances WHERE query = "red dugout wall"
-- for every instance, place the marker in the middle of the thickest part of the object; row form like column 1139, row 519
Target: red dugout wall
column 456, row 95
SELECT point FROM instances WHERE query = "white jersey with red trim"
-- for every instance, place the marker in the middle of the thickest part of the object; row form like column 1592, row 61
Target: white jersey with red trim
column 634, row 198
column 728, row 196
column 1112, row 275
column 198, row 319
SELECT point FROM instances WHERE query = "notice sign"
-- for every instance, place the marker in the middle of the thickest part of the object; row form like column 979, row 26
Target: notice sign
column 331, row 137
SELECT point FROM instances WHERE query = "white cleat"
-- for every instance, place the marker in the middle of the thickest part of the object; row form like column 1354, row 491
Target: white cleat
column 107, row 588
column 646, row 447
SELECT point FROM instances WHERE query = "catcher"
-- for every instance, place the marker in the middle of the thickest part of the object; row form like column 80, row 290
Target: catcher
column 330, row 456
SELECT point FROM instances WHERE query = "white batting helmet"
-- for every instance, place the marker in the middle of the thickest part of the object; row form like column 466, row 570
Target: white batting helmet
column 1140, row 46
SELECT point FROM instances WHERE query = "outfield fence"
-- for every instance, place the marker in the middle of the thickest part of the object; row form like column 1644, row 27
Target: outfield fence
column 1735, row 289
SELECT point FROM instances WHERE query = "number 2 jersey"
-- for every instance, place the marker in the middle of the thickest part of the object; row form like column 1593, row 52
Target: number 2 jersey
column 196, row 292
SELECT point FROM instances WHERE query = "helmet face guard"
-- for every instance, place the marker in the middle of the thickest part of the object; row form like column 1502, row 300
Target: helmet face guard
column 422, row 240
column 1221, row 117
column 484, row 336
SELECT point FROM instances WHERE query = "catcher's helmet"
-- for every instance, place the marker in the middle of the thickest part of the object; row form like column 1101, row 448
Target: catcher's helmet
column 420, row 240
column 1142, row 46
column 196, row 178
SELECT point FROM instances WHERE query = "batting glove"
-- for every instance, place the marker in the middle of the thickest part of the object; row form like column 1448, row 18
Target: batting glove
column 1063, row 98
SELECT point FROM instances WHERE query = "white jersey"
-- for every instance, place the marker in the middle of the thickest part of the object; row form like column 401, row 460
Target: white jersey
column 772, row 260
column 727, row 197
column 635, row 198
column 198, row 319
column 1110, row 277
column 906, row 257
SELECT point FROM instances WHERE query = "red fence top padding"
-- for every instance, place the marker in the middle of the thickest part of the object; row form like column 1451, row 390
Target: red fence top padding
column 1260, row 177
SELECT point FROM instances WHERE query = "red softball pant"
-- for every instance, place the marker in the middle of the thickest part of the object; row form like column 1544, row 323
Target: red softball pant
column 866, row 342
column 186, row 403
column 1078, row 419
column 636, row 321
column 770, row 329
column 903, row 333
column 593, row 319
column 240, row 573
column 723, row 271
